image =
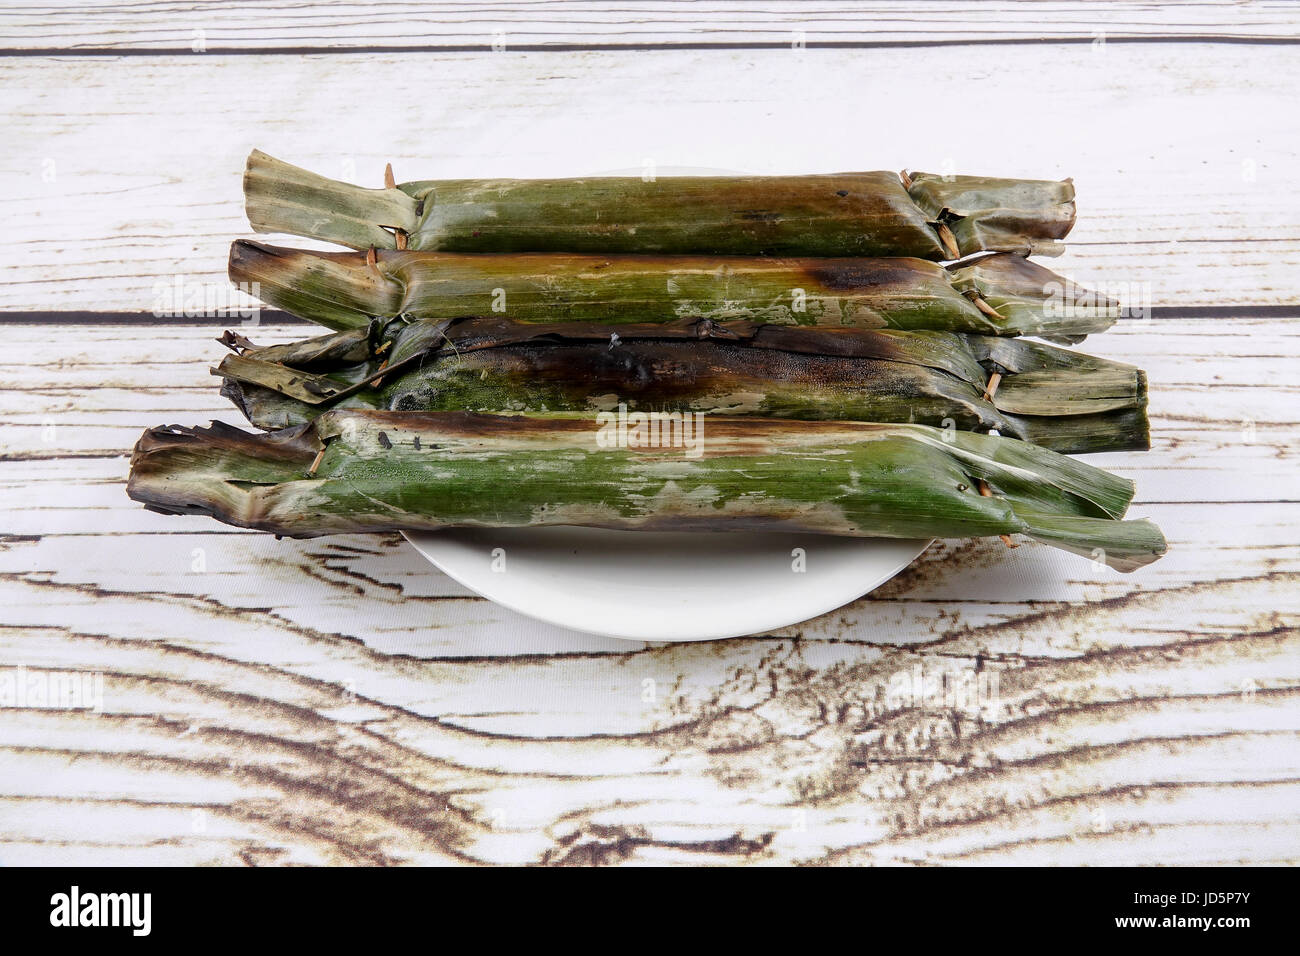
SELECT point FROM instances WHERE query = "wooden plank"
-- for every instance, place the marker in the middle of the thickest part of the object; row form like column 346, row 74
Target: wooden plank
column 308, row 746
column 478, row 25
column 1197, row 217
column 187, row 577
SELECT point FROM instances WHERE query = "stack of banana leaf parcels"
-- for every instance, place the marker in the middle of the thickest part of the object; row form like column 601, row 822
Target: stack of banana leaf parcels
column 868, row 354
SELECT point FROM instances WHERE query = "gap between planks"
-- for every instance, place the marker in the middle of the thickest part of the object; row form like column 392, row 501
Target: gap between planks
column 273, row 25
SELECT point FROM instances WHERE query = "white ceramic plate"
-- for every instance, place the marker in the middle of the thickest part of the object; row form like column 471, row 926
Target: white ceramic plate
column 665, row 587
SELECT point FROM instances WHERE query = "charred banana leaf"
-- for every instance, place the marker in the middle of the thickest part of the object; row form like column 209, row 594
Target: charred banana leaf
column 1000, row 294
column 840, row 214
column 1063, row 400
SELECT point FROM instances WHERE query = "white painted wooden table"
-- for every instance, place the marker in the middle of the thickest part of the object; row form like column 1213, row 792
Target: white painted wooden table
column 337, row 700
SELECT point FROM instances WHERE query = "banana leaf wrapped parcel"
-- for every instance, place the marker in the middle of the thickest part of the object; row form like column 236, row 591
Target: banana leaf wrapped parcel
column 373, row 471
column 998, row 294
column 845, row 354
column 1063, row 400
column 839, row 214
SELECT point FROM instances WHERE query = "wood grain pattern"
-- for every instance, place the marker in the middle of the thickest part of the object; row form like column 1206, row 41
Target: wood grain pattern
column 338, row 701
column 1171, row 209
column 274, row 24
column 765, row 750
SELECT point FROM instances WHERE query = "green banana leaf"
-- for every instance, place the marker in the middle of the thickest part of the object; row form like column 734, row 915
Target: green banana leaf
column 999, row 294
column 372, row 471
column 839, row 214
